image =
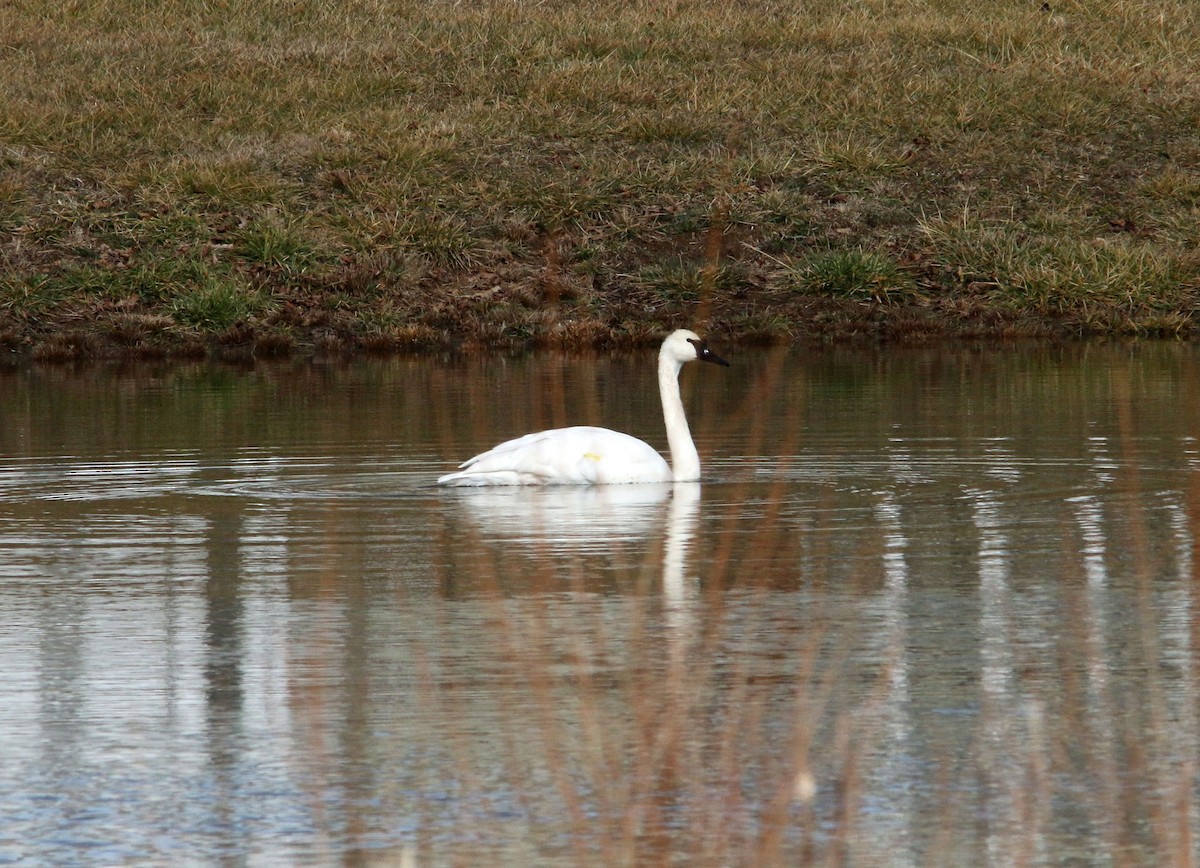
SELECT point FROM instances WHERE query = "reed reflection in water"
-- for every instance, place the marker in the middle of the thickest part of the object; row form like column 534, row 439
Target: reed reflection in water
column 929, row 607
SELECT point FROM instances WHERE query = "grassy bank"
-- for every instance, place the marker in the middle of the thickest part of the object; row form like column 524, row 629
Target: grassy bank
column 372, row 176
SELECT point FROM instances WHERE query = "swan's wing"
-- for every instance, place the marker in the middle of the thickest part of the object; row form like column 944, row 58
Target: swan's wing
column 512, row 447
column 581, row 455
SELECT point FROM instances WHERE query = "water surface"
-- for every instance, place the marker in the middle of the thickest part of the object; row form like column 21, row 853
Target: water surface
column 929, row 606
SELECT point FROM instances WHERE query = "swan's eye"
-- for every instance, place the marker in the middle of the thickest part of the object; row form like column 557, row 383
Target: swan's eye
column 704, row 354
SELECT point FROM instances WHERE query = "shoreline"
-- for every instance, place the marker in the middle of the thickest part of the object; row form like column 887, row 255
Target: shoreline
column 124, row 336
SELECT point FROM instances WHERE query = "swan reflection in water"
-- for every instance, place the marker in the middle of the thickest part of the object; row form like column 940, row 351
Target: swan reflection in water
column 567, row 516
column 546, row 523
column 682, row 518
column 593, row 518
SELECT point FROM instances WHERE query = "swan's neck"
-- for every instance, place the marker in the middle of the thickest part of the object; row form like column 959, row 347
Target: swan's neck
column 685, row 462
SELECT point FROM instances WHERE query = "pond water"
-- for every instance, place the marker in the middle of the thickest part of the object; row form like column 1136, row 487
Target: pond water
column 929, row 606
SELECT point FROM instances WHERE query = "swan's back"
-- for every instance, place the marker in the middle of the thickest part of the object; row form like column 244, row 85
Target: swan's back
column 582, row 455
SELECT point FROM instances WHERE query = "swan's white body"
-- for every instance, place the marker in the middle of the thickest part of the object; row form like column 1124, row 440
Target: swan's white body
column 584, row 455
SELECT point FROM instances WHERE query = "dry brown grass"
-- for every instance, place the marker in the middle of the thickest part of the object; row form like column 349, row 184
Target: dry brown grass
column 337, row 159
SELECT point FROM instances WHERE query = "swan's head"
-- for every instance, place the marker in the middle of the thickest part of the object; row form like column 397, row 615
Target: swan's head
column 686, row 346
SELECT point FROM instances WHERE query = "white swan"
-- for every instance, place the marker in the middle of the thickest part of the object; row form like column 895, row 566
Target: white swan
column 584, row 455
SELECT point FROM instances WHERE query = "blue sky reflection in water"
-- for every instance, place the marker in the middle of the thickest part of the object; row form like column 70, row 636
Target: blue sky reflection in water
column 930, row 605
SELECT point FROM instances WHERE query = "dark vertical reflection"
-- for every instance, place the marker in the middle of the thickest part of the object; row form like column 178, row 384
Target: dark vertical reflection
column 351, row 697
column 224, row 610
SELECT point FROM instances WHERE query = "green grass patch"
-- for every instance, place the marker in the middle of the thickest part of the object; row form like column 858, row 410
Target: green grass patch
column 1126, row 278
column 688, row 280
column 217, row 305
column 847, row 274
column 276, row 241
column 28, row 298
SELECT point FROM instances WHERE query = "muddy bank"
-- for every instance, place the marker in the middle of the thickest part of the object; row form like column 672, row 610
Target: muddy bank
column 486, row 312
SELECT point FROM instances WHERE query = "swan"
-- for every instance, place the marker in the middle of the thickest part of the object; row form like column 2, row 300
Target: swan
column 584, row 455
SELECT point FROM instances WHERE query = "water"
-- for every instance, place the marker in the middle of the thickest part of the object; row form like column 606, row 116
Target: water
column 930, row 606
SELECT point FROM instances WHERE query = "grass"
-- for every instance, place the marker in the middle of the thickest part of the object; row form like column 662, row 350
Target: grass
column 216, row 306
column 680, row 280
column 850, row 274
column 1114, row 283
column 287, row 146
